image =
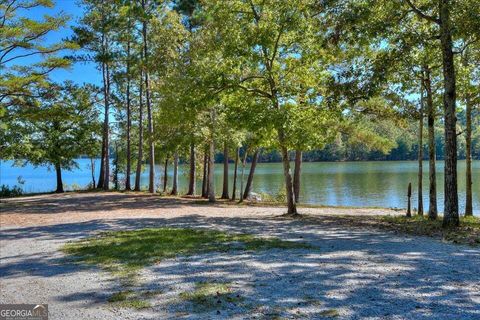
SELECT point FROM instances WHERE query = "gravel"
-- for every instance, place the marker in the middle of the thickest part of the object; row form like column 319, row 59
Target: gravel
column 352, row 273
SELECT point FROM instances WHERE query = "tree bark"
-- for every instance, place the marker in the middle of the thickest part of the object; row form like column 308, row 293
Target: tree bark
column 165, row 176
column 129, row 120
column 115, row 172
column 432, row 175
column 101, row 178
column 234, row 191
column 225, row 172
column 58, row 171
column 248, row 186
column 244, row 164
column 205, row 176
column 291, row 203
column 296, row 174
column 191, row 181
column 102, row 164
column 106, row 183
column 468, row 160
column 140, row 137
column 92, row 168
column 409, row 204
column 420, row 154
column 211, row 173
column 175, row 175
column 450, row 217
column 151, row 158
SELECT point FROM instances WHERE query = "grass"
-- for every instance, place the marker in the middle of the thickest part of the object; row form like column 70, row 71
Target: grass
column 467, row 233
column 128, row 299
column 125, row 252
column 330, row 313
column 210, row 296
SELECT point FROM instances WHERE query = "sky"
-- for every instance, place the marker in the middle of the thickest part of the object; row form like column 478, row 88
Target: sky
column 79, row 72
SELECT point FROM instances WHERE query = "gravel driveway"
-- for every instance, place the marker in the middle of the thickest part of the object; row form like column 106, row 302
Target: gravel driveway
column 352, row 273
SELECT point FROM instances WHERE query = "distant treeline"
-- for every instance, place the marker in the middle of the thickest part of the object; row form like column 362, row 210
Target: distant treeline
column 405, row 149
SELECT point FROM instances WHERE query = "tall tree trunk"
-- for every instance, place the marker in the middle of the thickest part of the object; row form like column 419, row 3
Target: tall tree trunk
column 432, row 171
column 207, row 190
column 106, row 183
column 102, row 164
column 468, row 147
column 244, row 164
column 420, row 154
column 296, row 174
column 450, row 217
column 211, row 173
column 191, row 181
column 468, row 160
column 234, row 191
column 129, row 121
column 140, row 137
column 92, row 168
column 248, row 186
column 225, row 172
column 175, row 174
column 165, row 176
column 205, row 176
column 115, row 173
column 101, row 178
column 291, row 203
column 58, row 171
column 151, row 158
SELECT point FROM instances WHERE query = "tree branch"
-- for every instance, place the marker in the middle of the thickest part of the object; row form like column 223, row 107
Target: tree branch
column 422, row 14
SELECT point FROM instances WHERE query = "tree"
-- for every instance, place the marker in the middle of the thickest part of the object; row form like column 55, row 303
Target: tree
column 151, row 156
column 443, row 20
column 22, row 39
column 55, row 128
column 225, row 194
column 94, row 35
column 467, row 73
column 265, row 46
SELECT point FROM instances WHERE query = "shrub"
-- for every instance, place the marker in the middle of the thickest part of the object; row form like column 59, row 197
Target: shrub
column 7, row 192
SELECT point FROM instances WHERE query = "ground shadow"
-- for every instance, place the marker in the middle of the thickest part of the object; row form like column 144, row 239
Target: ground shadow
column 362, row 273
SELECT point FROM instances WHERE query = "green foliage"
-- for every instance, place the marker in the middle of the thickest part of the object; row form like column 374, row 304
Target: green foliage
column 54, row 129
column 8, row 192
column 25, row 58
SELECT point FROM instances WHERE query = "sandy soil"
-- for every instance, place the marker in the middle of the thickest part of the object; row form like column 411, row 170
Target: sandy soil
column 80, row 207
column 356, row 273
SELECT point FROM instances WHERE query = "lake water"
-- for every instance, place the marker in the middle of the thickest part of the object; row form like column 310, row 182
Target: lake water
column 376, row 183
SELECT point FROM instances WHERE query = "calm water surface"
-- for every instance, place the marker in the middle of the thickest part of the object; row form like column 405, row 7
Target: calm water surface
column 378, row 183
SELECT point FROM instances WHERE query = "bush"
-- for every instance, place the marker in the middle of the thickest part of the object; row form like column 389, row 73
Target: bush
column 7, row 192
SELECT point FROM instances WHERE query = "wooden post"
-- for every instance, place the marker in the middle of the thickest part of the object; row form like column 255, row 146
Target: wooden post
column 409, row 211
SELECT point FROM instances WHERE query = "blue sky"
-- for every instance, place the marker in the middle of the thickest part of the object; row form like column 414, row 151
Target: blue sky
column 79, row 72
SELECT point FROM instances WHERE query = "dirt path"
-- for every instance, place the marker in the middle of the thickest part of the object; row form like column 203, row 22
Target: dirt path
column 353, row 273
column 80, row 207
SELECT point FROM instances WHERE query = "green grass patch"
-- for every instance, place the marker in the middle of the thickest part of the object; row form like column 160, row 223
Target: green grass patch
column 467, row 233
column 128, row 299
column 330, row 313
column 209, row 296
column 125, row 252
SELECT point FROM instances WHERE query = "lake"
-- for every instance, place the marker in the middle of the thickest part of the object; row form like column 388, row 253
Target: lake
column 363, row 184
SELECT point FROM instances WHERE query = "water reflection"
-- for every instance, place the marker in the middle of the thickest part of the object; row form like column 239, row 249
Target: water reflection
column 382, row 184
